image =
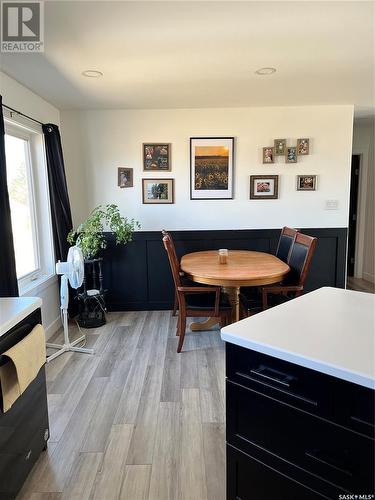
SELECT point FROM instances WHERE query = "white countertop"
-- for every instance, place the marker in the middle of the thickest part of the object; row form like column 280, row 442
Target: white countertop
column 15, row 309
column 330, row 330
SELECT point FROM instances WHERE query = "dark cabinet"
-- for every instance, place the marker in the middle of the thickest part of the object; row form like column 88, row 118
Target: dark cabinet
column 290, row 428
column 24, row 429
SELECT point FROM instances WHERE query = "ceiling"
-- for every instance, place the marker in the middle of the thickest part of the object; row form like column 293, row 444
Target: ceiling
column 202, row 54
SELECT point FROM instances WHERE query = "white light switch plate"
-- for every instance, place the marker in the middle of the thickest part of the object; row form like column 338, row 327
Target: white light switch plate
column 332, row 205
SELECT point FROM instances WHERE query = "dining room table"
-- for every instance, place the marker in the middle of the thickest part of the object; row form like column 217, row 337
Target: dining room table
column 241, row 268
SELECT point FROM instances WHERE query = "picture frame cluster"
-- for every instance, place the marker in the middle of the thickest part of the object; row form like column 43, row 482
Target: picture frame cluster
column 212, row 170
column 289, row 153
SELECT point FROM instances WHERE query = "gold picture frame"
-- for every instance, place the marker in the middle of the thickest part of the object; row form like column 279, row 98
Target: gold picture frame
column 157, row 191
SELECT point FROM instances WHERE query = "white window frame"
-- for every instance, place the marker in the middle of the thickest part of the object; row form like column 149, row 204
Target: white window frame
column 39, row 203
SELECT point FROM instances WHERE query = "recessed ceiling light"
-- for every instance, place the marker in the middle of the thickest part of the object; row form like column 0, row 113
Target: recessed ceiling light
column 265, row 71
column 92, row 73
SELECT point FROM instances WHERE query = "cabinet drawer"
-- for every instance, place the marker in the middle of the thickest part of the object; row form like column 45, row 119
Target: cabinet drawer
column 14, row 467
column 326, row 450
column 249, row 478
column 286, row 382
column 355, row 407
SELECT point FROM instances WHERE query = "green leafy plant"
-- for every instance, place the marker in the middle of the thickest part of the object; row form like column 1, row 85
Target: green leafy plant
column 89, row 235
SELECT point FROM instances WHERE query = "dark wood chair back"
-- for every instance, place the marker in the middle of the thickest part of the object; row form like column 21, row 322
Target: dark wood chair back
column 166, row 233
column 286, row 240
column 172, row 257
column 300, row 258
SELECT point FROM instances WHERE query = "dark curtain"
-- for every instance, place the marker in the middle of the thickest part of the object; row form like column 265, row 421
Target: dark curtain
column 58, row 191
column 8, row 274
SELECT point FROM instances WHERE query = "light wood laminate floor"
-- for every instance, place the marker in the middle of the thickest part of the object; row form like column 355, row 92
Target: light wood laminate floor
column 360, row 285
column 136, row 420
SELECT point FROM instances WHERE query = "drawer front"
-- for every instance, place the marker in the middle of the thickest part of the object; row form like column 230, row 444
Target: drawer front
column 249, row 478
column 286, row 382
column 27, row 416
column 355, row 407
column 326, row 450
column 15, row 467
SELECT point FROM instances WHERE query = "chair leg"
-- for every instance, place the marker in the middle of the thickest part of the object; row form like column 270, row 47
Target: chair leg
column 175, row 305
column 182, row 329
column 178, row 326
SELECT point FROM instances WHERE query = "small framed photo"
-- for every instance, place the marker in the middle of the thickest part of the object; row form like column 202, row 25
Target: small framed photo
column 124, row 177
column 279, row 147
column 306, row 182
column 211, row 168
column 264, row 187
column 157, row 157
column 303, row 146
column 158, row 191
column 291, row 155
column 268, row 155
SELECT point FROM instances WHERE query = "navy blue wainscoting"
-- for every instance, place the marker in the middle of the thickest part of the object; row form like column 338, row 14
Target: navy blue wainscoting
column 138, row 277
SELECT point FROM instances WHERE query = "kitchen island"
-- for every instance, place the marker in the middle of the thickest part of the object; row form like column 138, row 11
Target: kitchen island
column 300, row 399
column 24, row 428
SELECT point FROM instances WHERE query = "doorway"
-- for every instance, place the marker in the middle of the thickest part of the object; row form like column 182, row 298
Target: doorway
column 353, row 213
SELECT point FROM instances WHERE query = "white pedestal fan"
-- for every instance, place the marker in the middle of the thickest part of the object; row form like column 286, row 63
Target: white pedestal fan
column 72, row 271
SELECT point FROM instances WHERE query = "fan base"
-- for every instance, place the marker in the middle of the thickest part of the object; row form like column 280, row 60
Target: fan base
column 68, row 347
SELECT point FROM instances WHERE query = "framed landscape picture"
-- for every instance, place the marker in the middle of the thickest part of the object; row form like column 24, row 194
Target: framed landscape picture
column 211, row 168
column 156, row 157
column 306, row 182
column 124, row 177
column 264, row 187
column 157, row 191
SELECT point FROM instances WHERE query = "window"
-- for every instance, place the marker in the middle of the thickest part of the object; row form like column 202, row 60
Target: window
column 20, row 187
column 29, row 204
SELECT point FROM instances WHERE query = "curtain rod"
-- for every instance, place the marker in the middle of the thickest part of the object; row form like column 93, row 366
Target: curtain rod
column 22, row 114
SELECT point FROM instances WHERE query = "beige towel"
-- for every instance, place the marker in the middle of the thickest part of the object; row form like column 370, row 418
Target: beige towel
column 25, row 360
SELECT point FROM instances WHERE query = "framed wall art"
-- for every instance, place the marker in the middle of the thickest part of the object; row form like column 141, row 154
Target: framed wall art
column 157, row 157
column 124, row 177
column 279, row 147
column 268, row 155
column 306, row 182
column 303, row 147
column 291, row 155
column 157, row 191
column 264, row 187
column 211, row 168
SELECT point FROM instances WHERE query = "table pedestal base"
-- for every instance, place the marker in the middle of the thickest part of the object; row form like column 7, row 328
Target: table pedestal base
column 233, row 296
column 200, row 326
column 233, row 293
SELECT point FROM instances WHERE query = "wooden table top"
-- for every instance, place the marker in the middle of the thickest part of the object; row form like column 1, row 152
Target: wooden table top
column 243, row 268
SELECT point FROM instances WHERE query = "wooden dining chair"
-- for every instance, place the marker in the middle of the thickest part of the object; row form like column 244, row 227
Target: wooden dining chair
column 286, row 240
column 185, row 281
column 285, row 243
column 195, row 301
column 292, row 286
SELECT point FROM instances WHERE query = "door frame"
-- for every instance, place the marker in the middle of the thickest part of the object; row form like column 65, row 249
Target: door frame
column 363, row 153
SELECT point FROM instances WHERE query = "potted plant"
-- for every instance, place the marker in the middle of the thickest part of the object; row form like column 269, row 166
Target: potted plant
column 90, row 237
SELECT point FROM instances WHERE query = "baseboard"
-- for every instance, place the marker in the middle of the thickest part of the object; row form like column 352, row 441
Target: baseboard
column 369, row 277
column 52, row 328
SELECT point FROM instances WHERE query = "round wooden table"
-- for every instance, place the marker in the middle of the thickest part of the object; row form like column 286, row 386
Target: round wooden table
column 243, row 268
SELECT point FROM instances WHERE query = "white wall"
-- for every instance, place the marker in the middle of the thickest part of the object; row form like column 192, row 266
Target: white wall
column 363, row 144
column 22, row 99
column 97, row 142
